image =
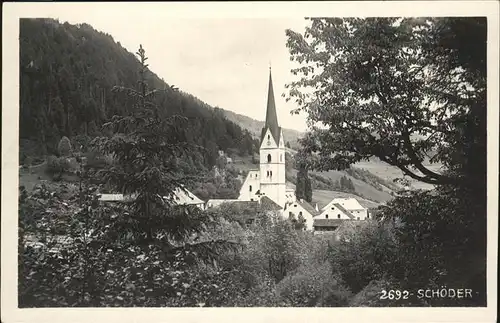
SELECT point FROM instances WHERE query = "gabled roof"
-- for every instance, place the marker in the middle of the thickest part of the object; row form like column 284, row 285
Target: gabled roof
column 186, row 197
column 269, row 204
column 308, row 207
column 271, row 116
column 341, row 208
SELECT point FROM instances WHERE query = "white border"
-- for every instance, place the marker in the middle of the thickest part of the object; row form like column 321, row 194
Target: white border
column 10, row 116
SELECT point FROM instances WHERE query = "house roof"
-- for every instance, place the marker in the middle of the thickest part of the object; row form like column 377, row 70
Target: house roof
column 186, row 197
column 308, row 207
column 180, row 197
column 111, row 197
column 269, row 204
column 346, row 212
column 217, row 202
column 271, row 116
column 328, row 222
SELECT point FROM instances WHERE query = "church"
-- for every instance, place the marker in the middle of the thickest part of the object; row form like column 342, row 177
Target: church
column 270, row 179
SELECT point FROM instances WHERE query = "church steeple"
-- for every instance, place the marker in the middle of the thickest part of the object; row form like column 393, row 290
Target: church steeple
column 271, row 116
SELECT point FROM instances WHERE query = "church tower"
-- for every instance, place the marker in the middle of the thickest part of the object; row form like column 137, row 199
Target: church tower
column 272, row 154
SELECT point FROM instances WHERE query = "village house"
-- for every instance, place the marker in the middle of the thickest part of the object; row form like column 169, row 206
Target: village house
column 181, row 197
column 337, row 213
column 301, row 209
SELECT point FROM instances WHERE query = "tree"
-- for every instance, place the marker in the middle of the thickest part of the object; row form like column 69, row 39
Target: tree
column 287, row 145
column 398, row 89
column 64, row 147
column 148, row 149
column 406, row 90
column 303, row 188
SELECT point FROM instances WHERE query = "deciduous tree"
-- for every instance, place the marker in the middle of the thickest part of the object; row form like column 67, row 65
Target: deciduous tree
column 403, row 90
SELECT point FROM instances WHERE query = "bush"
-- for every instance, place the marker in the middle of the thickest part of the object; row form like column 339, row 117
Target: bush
column 363, row 255
column 312, row 285
column 56, row 167
column 64, row 147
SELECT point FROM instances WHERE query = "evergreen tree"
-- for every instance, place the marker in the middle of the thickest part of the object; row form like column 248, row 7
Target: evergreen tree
column 64, row 147
column 148, row 150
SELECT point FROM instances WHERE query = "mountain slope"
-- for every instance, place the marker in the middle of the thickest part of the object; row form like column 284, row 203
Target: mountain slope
column 255, row 127
column 66, row 76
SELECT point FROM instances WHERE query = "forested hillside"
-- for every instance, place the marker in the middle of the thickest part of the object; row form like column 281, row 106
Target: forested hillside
column 66, row 76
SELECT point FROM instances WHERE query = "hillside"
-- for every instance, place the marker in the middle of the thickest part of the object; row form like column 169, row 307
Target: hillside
column 67, row 73
column 255, row 127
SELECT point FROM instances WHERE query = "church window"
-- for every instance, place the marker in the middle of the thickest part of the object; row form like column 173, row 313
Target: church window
column 300, row 213
column 338, row 216
column 250, row 188
column 269, row 158
column 326, row 216
column 271, row 173
column 251, row 200
column 268, row 137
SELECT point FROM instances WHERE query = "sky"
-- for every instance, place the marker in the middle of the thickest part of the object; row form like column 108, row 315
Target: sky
column 222, row 61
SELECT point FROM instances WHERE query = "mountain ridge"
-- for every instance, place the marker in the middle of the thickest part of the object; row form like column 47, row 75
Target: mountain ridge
column 255, row 126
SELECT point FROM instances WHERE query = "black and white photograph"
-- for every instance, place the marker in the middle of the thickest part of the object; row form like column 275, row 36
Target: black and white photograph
column 319, row 161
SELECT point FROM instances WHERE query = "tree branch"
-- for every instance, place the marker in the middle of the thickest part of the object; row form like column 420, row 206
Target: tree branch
column 440, row 179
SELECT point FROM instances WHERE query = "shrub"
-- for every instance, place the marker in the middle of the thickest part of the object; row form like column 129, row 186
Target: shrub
column 363, row 255
column 64, row 147
column 312, row 285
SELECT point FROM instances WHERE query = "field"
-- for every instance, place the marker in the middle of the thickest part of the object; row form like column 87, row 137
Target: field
column 390, row 173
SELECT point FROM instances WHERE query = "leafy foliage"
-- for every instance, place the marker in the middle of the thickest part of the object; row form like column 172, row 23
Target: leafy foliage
column 405, row 90
column 64, row 147
column 364, row 255
column 392, row 88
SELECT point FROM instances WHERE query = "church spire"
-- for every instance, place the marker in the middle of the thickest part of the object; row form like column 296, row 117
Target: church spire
column 271, row 117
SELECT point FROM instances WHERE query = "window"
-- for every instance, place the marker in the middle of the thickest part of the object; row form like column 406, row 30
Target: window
column 250, row 188
column 268, row 137
column 326, row 216
column 290, row 213
column 357, row 218
column 271, row 173
column 269, row 158
column 295, row 205
column 300, row 213
column 251, row 200
column 338, row 216
column 367, row 216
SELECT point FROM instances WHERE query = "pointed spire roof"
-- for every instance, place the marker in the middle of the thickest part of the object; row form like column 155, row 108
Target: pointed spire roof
column 271, row 116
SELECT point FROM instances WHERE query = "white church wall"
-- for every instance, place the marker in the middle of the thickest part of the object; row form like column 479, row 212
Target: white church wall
column 250, row 186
